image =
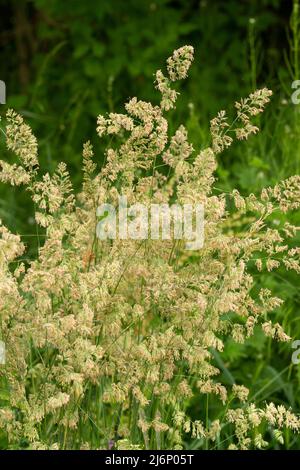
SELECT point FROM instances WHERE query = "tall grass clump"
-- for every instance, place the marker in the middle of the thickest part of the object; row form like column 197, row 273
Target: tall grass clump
column 108, row 341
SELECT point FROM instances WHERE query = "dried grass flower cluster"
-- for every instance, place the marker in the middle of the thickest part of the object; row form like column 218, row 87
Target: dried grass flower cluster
column 108, row 341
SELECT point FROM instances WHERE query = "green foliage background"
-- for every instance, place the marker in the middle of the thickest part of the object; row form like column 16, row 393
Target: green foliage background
column 64, row 62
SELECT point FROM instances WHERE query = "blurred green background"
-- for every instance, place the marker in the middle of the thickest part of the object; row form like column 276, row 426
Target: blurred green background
column 66, row 62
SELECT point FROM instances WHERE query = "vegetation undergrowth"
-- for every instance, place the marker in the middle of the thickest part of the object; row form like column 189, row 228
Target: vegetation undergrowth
column 108, row 342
